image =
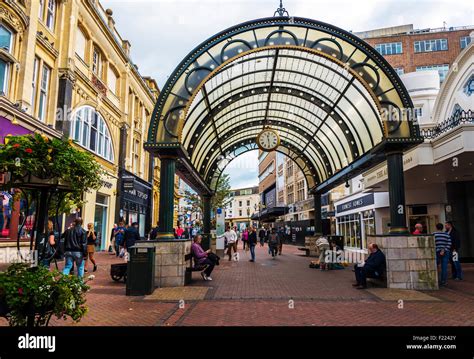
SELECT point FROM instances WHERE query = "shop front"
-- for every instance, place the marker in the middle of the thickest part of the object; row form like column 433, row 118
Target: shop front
column 135, row 197
column 359, row 216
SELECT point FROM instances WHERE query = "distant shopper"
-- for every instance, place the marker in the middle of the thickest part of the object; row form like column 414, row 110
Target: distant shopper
column 456, row 269
column 178, row 232
column 75, row 248
column 252, row 242
column 274, row 242
column 245, row 238
column 373, row 267
column 231, row 238
column 261, row 236
column 202, row 257
column 281, row 235
column 119, row 235
column 49, row 245
column 112, row 239
column 443, row 251
column 322, row 244
column 91, row 243
column 418, row 229
column 131, row 236
column 154, row 232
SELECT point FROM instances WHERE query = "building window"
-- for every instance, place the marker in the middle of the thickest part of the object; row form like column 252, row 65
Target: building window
column 34, row 84
column 81, row 42
column 368, row 223
column 136, row 156
column 390, row 48
column 51, row 13
column 418, row 112
column 240, row 213
column 289, row 168
column 300, row 191
column 6, row 40
column 41, row 9
column 90, row 130
column 431, row 45
column 469, row 87
column 399, row 70
column 43, row 96
column 290, row 196
column 97, row 62
column 267, row 172
column 442, row 70
column 248, row 202
column 112, row 80
column 465, row 40
column 240, row 203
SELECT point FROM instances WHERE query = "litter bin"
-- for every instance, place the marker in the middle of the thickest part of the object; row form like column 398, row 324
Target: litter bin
column 141, row 271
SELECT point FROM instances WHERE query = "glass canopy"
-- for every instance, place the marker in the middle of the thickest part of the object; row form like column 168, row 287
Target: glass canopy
column 330, row 96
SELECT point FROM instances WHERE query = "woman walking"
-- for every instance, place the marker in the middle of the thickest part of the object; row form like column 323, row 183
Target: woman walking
column 245, row 238
column 91, row 242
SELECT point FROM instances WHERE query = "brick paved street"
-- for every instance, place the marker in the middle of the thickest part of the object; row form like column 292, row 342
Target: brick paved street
column 284, row 291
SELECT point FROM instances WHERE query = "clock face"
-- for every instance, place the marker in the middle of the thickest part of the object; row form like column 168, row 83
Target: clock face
column 268, row 140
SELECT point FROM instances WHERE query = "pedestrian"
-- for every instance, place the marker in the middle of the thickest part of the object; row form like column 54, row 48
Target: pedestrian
column 119, row 234
column 185, row 233
column 245, row 238
column 281, row 235
column 261, row 236
column 112, row 240
column 75, row 248
column 202, row 257
column 131, row 236
column 443, row 252
column 48, row 245
column 373, row 267
column 154, row 232
column 231, row 238
column 252, row 242
column 418, row 229
column 323, row 245
column 267, row 236
column 273, row 242
column 456, row 269
column 178, row 232
column 91, row 243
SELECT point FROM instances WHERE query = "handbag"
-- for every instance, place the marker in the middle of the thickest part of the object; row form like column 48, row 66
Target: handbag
column 214, row 258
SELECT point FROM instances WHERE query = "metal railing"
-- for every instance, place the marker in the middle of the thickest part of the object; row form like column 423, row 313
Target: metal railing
column 457, row 119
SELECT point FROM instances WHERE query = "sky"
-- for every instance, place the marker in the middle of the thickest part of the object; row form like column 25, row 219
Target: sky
column 163, row 32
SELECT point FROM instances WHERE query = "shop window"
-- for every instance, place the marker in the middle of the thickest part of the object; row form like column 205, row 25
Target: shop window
column 90, row 130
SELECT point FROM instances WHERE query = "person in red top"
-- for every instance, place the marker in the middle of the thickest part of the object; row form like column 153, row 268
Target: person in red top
column 418, row 229
column 179, row 231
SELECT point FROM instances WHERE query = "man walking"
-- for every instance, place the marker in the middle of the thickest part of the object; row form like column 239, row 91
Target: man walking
column 456, row 269
column 443, row 252
column 252, row 242
column 119, row 234
column 131, row 236
column 75, row 248
column 231, row 239
column 261, row 236
column 273, row 242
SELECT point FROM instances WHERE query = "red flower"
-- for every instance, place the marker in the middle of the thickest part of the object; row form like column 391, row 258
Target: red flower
column 20, row 291
column 16, row 145
column 29, row 150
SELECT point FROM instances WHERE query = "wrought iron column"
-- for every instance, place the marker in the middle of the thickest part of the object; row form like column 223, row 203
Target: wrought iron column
column 318, row 224
column 396, row 191
column 166, row 210
column 206, row 218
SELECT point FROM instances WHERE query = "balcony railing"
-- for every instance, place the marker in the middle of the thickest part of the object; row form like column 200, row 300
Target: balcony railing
column 457, row 119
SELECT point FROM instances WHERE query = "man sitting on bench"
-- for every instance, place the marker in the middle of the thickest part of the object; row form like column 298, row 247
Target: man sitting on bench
column 373, row 267
column 201, row 257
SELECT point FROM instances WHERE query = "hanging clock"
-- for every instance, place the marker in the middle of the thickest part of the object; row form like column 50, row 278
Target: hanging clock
column 268, row 140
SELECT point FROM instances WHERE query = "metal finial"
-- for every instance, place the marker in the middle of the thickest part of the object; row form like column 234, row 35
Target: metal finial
column 281, row 11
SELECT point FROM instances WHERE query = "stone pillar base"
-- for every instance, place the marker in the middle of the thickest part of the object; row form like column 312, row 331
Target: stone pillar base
column 411, row 261
column 170, row 265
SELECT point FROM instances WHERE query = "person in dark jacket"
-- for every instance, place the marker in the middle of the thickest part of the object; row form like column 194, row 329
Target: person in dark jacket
column 373, row 267
column 261, row 235
column 131, row 235
column 75, row 248
column 252, row 242
column 456, row 269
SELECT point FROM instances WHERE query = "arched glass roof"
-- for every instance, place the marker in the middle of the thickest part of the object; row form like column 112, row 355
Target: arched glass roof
column 332, row 98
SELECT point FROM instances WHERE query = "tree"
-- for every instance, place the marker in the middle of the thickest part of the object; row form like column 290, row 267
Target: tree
column 219, row 199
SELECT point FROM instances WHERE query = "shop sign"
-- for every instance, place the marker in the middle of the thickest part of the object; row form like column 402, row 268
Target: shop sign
column 360, row 202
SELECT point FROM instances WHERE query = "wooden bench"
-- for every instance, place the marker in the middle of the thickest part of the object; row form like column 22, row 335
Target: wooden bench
column 193, row 267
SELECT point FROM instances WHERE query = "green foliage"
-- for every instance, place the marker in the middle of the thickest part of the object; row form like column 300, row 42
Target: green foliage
column 50, row 159
column 32, row 295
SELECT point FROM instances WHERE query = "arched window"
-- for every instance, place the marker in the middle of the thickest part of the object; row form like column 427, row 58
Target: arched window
column 90, row 131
